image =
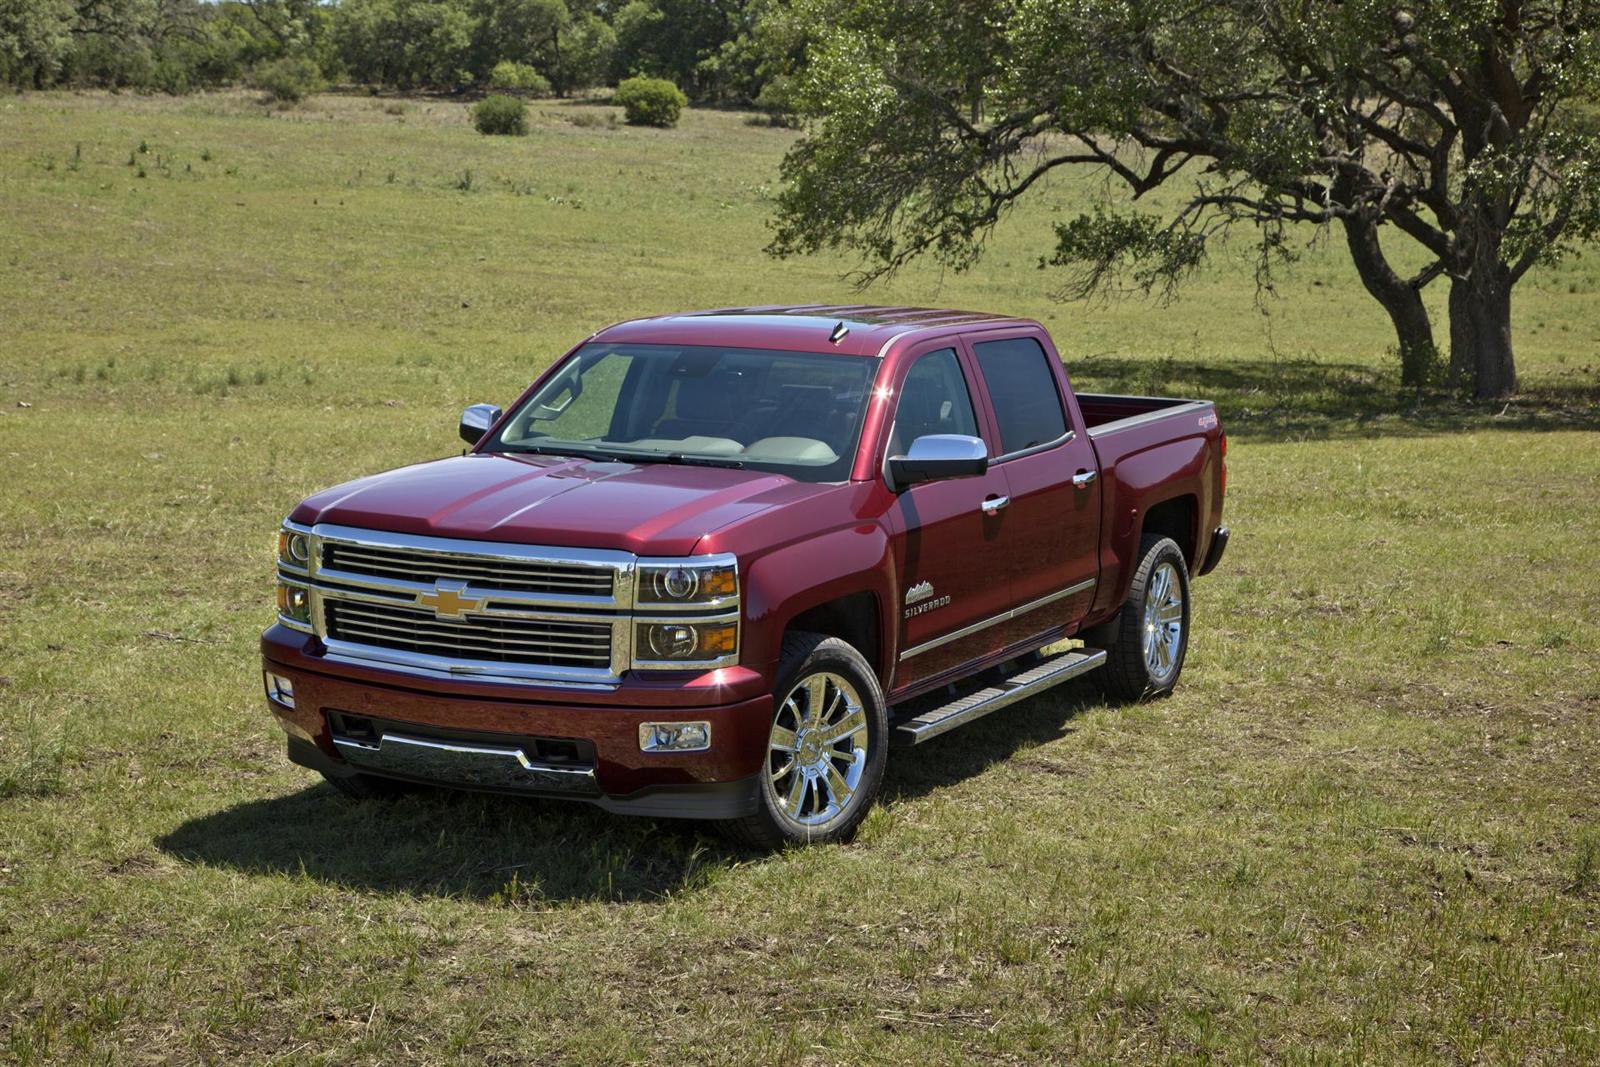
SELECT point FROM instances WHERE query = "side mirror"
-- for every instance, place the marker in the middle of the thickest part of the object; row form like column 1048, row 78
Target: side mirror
column 938, row 456
column 476, row 420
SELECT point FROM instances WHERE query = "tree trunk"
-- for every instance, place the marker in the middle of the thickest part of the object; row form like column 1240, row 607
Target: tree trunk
column 1402, row 300
column 1480, row 334
column 1480, row 316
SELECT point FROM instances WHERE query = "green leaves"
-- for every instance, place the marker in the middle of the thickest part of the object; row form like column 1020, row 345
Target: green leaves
column 1104, row 249
column 1466, row 125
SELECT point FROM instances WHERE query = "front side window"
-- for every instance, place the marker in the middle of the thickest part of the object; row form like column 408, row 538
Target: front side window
column 934, row 399
column 798, row 413
column 1022, row 385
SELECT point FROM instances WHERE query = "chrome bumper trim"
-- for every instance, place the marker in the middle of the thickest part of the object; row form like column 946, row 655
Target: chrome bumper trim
column 473, row 766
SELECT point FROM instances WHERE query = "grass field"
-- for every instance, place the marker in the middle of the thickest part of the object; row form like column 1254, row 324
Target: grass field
column 1365, row 829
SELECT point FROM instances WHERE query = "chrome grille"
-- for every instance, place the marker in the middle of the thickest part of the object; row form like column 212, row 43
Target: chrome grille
column 496, row 639
column 487, row 572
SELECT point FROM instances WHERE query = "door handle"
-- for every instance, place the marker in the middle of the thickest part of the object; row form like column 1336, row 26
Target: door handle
column 992, row 505
column 1084, row 479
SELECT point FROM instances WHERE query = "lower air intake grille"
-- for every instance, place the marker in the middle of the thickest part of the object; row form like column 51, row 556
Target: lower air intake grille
column 527, row 641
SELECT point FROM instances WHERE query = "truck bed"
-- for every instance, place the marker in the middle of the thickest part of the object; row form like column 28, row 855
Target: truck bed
column 1105, row 413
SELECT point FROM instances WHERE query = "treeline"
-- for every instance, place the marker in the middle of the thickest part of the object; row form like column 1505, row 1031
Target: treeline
column 715, row 50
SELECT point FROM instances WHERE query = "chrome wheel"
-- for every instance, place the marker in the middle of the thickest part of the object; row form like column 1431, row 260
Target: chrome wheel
column 1163, row 622
column 818, row 749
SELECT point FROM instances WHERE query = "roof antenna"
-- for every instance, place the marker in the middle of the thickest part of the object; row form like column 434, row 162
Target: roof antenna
column 838, row 333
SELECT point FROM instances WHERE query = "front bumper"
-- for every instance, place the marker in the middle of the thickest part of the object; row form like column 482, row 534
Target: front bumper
column 501, row 739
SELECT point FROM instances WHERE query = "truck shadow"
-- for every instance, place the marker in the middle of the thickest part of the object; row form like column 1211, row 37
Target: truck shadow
column 528, row 852
column 973, row 749
column 503, row 849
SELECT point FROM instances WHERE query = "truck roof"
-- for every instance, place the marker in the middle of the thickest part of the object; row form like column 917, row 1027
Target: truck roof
column 799, row 327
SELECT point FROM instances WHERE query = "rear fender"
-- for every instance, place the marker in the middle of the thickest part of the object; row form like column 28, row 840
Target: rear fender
column 1134, row 485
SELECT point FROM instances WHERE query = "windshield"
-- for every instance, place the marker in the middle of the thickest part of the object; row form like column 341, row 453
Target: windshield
column 795, row 412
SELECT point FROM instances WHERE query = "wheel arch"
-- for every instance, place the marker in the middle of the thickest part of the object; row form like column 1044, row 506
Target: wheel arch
column 835, row 584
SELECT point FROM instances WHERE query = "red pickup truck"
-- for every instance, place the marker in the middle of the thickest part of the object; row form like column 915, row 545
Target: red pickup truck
column 714, row 564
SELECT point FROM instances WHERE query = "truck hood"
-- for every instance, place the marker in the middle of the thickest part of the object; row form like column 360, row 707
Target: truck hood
column 653, row 509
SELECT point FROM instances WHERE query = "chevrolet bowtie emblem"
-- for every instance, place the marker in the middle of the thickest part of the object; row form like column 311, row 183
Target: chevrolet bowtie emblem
column 447, row 600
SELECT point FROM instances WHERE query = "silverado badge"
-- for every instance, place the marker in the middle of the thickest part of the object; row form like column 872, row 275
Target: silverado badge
column 922, row 596
column 447, row 600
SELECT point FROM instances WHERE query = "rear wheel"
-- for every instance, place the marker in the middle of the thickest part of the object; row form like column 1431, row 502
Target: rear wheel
column 825, row 750
column 1149, row 639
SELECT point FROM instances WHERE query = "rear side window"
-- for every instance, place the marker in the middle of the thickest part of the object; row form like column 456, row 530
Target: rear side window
column 1022, row 385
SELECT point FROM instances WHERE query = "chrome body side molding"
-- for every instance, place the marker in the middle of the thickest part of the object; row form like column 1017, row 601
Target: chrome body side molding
column 995, row 620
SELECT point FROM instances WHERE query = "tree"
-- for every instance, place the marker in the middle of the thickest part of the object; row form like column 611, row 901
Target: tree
column 674, row 39
column 1459, row 125
column 35, row 38
column 405, row 43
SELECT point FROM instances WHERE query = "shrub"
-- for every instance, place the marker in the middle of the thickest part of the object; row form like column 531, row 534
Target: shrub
column 288, row 80
column 650, row 101
column 500, row 115
column 509, row 77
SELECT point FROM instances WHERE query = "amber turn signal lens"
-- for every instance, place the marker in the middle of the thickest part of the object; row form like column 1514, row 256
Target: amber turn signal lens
column 719, row 583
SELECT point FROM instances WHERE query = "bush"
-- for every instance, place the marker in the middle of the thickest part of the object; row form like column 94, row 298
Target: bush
column 650, row 101
column 288, row 80
column 509, row 77
column 500, row 115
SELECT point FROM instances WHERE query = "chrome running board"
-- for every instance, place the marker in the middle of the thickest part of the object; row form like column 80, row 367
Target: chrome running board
column 959, row 712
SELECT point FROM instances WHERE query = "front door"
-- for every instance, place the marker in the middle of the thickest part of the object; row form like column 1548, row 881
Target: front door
column 952, row 570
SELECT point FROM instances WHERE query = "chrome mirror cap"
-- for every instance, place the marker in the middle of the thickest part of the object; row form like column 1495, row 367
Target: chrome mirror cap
column 935, row 457
column 476, row 420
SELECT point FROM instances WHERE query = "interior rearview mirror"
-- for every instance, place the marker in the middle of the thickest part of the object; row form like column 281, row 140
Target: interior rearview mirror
column 476, row 420
column 935, row 457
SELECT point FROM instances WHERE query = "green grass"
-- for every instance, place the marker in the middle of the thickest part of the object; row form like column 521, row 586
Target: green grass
column 1365, row 829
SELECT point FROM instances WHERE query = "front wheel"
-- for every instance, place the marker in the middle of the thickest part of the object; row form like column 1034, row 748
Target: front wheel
column 1150, row 637
column 825, row 751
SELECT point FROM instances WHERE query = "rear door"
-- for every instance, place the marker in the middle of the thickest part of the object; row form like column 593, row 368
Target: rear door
column 1051, row 477
column 953, row 580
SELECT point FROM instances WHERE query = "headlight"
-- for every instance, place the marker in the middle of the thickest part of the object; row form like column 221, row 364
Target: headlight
column 294, row 605
column 708, row 581
column 713, row 642
column 294, row 549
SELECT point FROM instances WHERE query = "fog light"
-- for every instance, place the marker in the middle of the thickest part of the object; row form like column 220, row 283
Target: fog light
column 294, row 603
column 674, row 736
column 280, row 690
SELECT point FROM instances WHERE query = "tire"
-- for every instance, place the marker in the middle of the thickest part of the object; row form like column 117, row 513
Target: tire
column 1140, row 662
column 368, row 786
column 803, row 774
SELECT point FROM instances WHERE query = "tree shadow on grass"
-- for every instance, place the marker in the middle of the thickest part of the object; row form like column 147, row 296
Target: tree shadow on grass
column 1300, row 399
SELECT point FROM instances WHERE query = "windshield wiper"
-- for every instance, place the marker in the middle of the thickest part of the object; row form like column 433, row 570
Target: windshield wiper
column 705, row 461
column 546, row 450
column 630, row 455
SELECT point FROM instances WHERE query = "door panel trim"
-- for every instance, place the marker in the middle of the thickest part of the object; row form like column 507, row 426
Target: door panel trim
column 995, row 620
